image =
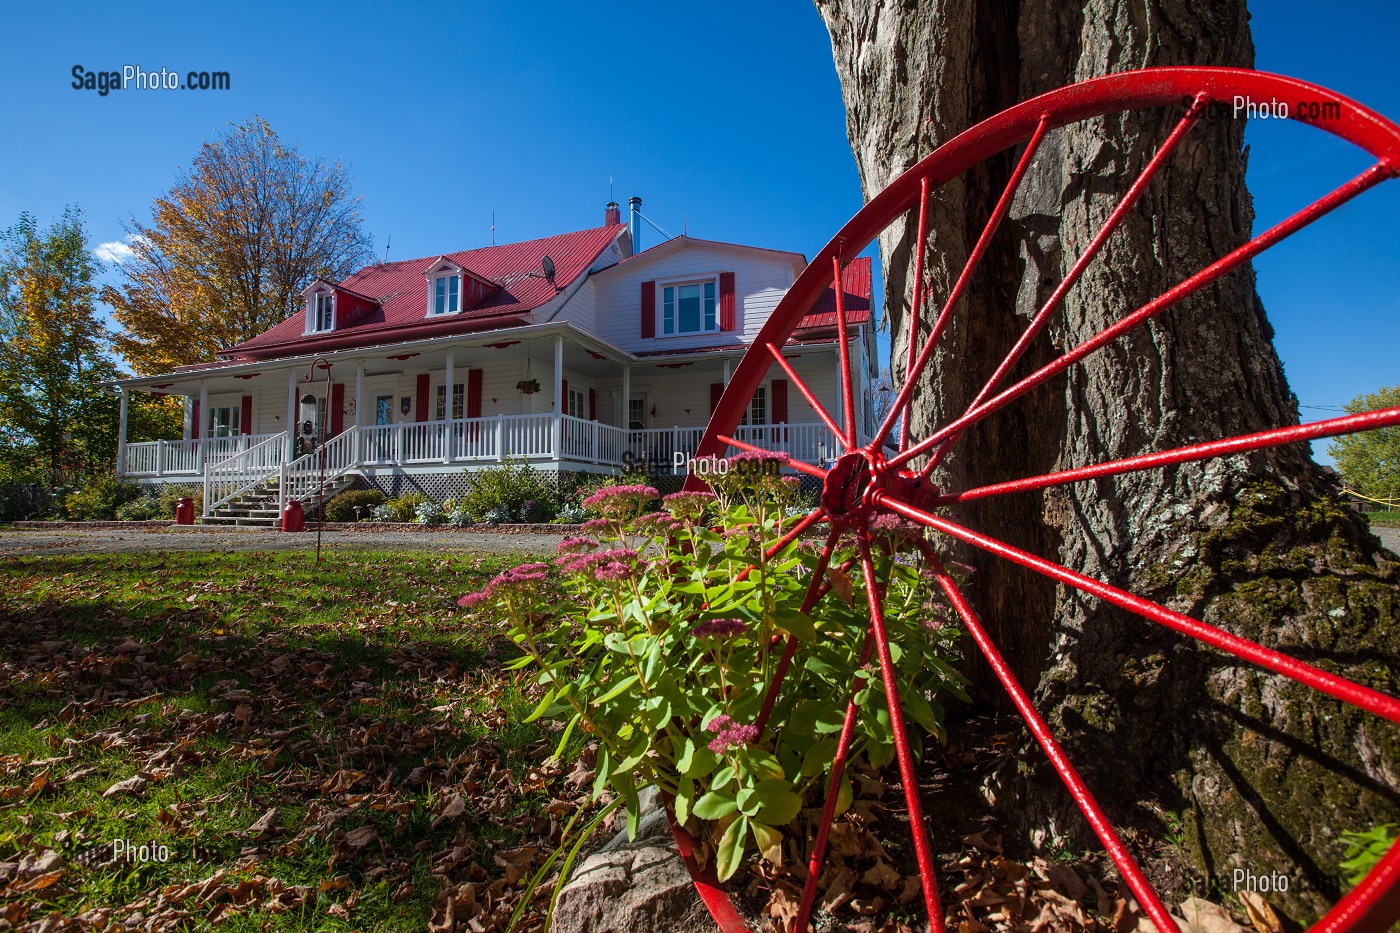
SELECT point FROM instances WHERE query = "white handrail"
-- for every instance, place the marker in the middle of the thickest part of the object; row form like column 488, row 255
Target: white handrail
column 305, row 477
column 229, row 478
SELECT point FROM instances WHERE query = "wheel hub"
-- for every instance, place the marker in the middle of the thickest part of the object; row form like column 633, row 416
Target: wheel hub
column 852, row 485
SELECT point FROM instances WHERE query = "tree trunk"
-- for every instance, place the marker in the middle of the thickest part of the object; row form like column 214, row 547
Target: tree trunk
column 1262, row 773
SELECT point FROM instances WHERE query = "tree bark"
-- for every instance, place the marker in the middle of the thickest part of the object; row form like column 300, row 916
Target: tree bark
column 1262, row 773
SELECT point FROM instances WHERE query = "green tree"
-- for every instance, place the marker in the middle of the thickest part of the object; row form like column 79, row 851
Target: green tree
column 231, row 246
column 56, row 419
column 1370, row 461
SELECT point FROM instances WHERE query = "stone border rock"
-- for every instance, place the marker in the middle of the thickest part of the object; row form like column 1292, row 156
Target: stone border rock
column 168, row 525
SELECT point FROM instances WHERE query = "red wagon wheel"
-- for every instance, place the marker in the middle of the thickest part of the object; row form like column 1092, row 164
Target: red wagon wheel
column 871, row 479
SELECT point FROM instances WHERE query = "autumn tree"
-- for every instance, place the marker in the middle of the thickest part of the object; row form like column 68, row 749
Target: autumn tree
column 1370, row 462
column 230, row 247
column 1264, row 772
column 56, row 419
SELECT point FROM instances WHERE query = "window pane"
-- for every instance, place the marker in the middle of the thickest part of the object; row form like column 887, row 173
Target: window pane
column 458, row 401
column 669, row 311
column 382, row 406
column 452, row 294
column 688, row 316
column 440, row 403
column 440, row 302
column 710, row 306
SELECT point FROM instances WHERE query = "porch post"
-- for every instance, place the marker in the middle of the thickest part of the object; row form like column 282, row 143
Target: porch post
column 726, row 374
column 121, row 435
column 626, row 414
column 447, row 409
column 839, row 409
column 291, row 416
column 357, row 454
column 199, row 428
column 558, row 396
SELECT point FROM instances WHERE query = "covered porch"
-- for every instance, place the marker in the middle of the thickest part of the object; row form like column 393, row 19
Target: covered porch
column 549, row 394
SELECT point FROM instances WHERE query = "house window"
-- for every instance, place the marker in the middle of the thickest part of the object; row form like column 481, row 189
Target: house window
column 688, row 308
column 578, row 404
column 223, row 421
column 458, row 406
column 325, row 305
column 445, row 293
column 757, row 412
column 637, row 413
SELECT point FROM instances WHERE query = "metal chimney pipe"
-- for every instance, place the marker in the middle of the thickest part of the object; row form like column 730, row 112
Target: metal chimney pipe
column 634, row 204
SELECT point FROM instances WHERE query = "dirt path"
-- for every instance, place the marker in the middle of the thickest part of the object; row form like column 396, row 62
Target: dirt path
column 34, row 541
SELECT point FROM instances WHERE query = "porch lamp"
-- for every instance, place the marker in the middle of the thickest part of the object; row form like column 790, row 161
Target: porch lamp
column 321, row 486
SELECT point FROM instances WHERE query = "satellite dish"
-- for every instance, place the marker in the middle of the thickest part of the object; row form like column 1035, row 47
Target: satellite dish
column 548, row 265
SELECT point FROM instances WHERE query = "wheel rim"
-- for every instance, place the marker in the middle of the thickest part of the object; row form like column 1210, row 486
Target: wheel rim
column 867, row 481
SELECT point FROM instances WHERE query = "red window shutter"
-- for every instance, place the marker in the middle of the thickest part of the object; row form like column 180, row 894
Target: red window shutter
column 245, row 416
column 726, row 301
column 779, row 394
column 649, row 309
column 474, row 393
column 716, row 390
column 592, row 404
column 422, row 413
column 196, row 429
column 564, row 396
column 337, row 408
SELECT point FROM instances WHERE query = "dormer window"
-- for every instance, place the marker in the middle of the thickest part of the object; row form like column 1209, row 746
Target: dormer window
column 324, row 311
column 446, row 294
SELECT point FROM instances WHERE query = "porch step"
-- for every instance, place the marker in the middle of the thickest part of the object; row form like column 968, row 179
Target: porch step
column 257, row 508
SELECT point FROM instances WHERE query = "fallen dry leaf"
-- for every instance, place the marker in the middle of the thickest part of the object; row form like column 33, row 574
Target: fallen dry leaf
column 132, row 785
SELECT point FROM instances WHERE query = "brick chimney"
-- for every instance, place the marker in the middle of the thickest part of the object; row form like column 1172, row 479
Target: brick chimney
column 612, row 214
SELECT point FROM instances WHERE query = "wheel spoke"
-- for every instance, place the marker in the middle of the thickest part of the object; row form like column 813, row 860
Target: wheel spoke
column 1127, row 865
column 801, row 466
column 915, row 309
column 833, row 788
column 809, row 395
column 1338, row 687
column 848, row 399
column 916, row 367
column 923, row 853
column 1227, row 263
column 1276, row 437
column 1115, row 219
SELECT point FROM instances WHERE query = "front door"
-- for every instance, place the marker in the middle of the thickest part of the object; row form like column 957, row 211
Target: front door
column 383, row 409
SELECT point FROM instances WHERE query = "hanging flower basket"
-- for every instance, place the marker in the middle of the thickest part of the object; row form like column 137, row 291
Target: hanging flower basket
column 528, row 386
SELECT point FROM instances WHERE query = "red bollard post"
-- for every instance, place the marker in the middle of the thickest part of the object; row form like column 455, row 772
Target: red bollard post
column 184, row 511
column 293, row 519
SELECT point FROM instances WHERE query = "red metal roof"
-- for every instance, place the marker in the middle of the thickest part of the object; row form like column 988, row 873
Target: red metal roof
column 401, row 291
column 856, row 287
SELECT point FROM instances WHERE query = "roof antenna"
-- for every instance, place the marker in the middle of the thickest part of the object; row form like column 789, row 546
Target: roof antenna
column 493, row 226
column 387, row 244
column 610, row 188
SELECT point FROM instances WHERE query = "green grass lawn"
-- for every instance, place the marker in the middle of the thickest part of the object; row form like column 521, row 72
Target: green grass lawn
column 1389, row 519
column 313, row 749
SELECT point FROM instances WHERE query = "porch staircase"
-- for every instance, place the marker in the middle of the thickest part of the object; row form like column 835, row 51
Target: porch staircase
column 257, row 507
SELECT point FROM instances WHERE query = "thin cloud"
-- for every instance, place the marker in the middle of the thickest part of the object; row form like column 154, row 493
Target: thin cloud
column 116, row 252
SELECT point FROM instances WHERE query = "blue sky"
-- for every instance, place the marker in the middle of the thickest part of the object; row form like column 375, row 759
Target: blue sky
column 725, row 117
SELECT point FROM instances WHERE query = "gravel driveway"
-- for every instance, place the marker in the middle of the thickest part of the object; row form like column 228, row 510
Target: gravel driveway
column 34, row 541
column 17, row 541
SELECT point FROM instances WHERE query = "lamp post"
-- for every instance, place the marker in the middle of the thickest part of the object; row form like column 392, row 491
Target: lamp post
column 321, row 486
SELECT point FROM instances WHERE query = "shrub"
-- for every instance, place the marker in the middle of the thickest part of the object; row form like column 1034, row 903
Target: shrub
column 496, row 516
column 25, row 501
column 143, row 509
column 342, row 507
column 532, row 512
column 429, row 513
column 571, row 514
column 400, row 508
column 98, row 499
column 508, row 487
column 665, row 641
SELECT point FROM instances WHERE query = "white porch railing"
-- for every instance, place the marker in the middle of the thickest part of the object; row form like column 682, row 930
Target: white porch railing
column 302, row 478
column 186, row 458
column 236, row 474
